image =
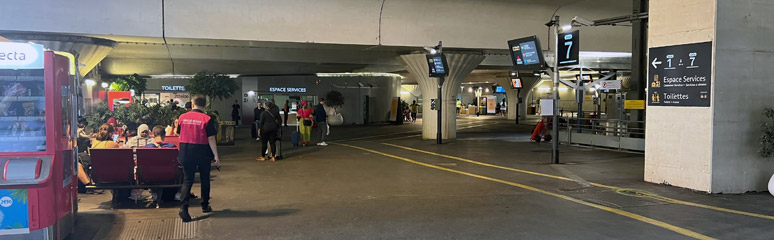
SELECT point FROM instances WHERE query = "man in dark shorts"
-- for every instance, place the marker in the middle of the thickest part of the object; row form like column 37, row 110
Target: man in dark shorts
column 197, row 150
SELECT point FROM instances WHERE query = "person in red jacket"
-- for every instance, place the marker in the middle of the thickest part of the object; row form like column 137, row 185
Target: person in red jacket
column 197, row 150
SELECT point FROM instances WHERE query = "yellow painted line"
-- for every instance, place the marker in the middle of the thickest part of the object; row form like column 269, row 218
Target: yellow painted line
column 631, row 215
column 652, row 196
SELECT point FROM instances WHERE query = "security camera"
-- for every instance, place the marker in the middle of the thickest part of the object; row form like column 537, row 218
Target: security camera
column 582, row 22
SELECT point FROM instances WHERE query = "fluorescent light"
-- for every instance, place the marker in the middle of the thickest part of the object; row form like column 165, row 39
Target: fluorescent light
column 566, row 28
column 487, row 89
column 604, row 54
column 470, row 89
column 90, row 82
column 513, row 74
column 544, row 88
column 563, row 88
column 167, row 76
column 433, row 51
column 404, row 93
column 359, row 74
column 104, row 85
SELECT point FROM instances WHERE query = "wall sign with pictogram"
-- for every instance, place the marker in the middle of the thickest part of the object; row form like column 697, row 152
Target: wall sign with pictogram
column 680, row 75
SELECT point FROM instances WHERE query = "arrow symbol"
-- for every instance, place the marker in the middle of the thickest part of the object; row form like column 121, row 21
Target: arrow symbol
column 655, row 63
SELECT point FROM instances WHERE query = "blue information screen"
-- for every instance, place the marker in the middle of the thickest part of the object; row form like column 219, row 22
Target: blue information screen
column 438, row 66
column 14, row 212
column 526, row 54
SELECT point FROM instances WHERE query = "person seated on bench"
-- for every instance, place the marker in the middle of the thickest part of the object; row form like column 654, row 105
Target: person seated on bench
column 158, row 142
column 143, row 137
column 104, row 138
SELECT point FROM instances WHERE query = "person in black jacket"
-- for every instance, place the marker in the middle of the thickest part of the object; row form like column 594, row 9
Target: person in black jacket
column 257, row 116
column 269, row 123
column 321, row 117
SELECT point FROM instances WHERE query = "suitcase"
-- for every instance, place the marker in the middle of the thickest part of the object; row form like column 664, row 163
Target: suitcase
column 296, row 138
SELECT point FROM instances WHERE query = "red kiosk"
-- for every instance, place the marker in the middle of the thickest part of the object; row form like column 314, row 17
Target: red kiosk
column 38, row 162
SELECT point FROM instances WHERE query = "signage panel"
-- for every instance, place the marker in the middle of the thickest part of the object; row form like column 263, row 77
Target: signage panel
column 516, row 83
column 437, row 65
column 680, row 75
column 634, row 104
column 526, row 54
column 569, row 48
column 609, row 84
column 14, row 212
column 21, row 56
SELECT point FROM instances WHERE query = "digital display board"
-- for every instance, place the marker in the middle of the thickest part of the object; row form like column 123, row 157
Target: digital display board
column 569, row 48
column 516, row 83
column 437, row 65
column 499, row 89
column 526, row 54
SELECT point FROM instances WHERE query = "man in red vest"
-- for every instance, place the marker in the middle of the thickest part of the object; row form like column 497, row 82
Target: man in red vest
column 197, row 150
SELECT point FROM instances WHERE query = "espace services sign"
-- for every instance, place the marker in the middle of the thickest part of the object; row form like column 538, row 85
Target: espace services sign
column 21, row 56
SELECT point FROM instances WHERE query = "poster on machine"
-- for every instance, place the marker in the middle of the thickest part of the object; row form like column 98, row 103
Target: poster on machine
column 14, row 212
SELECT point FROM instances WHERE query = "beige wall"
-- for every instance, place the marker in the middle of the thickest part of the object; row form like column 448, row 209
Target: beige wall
column 678, row 147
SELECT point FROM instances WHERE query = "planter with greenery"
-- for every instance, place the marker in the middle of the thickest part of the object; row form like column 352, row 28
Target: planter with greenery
column 131, row 82
column 154, row 115
column 767, row 140
column 213, row 85
column 334, row 100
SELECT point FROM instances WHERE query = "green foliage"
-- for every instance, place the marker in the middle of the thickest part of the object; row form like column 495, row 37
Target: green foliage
column 154, row 115
column 134, row 81
column 767, row 138
column 19, row 195
column 334, row 99
column 213, row 85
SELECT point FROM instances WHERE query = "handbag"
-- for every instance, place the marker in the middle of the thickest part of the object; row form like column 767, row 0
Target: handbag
column 307, row 122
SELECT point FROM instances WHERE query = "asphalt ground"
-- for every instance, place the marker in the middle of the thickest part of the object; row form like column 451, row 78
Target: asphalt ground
column 385, row 182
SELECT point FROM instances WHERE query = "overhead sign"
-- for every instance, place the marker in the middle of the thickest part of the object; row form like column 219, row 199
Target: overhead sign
column 609, row 84
column 526, row 54
column 680, row 75
column 437, row 65
column 287, row 90
column 21, row 56
column 173, row 88
column 569, row 48
column 634, row 104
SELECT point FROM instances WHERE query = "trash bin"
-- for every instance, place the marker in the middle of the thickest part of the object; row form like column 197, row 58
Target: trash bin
column 226, row 132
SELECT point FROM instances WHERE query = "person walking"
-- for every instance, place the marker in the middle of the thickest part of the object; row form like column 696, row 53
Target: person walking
column 197, row 150
column 414, row 111
column 286, row 111
column 270, row 124
column 235, row 112
column 256, row 116
column 321, row 118
column 305, row 123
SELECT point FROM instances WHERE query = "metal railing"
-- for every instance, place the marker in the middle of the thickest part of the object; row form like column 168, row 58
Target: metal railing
column 608, row 127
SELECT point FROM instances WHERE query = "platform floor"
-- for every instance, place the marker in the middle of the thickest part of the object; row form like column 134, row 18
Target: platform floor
column 385, row 182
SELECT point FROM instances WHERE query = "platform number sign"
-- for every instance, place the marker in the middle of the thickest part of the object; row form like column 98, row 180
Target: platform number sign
column 569, row 48
column 680, row 75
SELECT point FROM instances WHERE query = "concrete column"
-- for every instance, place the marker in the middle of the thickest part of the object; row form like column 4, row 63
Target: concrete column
column 460, row 66
column 714, row 149
column 513, row 95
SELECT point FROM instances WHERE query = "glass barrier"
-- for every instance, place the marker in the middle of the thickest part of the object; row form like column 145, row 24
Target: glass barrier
column 22, row 111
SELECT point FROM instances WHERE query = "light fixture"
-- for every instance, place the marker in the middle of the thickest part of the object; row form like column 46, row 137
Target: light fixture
column 487, row 89
column 131, row 92
column 104, row 85
column 90, row 82
column 536, row 73
column 358, row 74
column 563, row 88
column 593, row 89
column 544, row 88
column 404, row 92
column 566, row 28
column 470, row 89
column 171, row 76
column 513, row 73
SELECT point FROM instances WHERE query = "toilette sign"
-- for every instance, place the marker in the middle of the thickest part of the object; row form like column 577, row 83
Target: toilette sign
column 287, row 90
column 680, row 75
column 173, row 88
column 20, row 56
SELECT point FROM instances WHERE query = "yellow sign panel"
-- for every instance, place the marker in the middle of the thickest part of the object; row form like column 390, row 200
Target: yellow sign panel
column 634, row 104
column 588, row 98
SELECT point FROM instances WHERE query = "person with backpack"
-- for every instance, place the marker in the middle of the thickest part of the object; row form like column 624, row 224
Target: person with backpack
column 269, row 123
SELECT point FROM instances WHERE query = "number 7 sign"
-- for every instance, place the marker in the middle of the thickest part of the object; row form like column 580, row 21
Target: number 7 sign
column 569, row 48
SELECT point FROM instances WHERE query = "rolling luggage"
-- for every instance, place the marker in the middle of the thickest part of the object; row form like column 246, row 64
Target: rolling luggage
column 296, row 138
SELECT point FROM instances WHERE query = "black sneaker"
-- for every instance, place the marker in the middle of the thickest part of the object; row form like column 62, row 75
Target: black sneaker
column 184, row 215
column 206, row 209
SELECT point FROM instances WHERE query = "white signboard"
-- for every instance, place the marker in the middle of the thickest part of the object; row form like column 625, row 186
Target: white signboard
column 546, row 107
column 287, row 90
column 609, row 84
column 21, row 56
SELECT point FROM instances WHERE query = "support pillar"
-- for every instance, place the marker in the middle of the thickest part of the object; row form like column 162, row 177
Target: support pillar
column 713, row 149
column 513, row 95
column 460, row 66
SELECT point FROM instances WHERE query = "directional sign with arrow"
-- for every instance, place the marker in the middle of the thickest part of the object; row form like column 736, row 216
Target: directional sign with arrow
column 683, row 77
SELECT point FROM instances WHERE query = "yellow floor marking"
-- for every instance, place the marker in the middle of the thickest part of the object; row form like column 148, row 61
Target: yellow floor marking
column 652, row 196
column 631, row 215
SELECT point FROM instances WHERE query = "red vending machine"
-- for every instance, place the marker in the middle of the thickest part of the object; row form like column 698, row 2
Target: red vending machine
column 38, row 162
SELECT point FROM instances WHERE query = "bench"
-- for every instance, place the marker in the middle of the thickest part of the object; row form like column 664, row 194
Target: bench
column 113, row 169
